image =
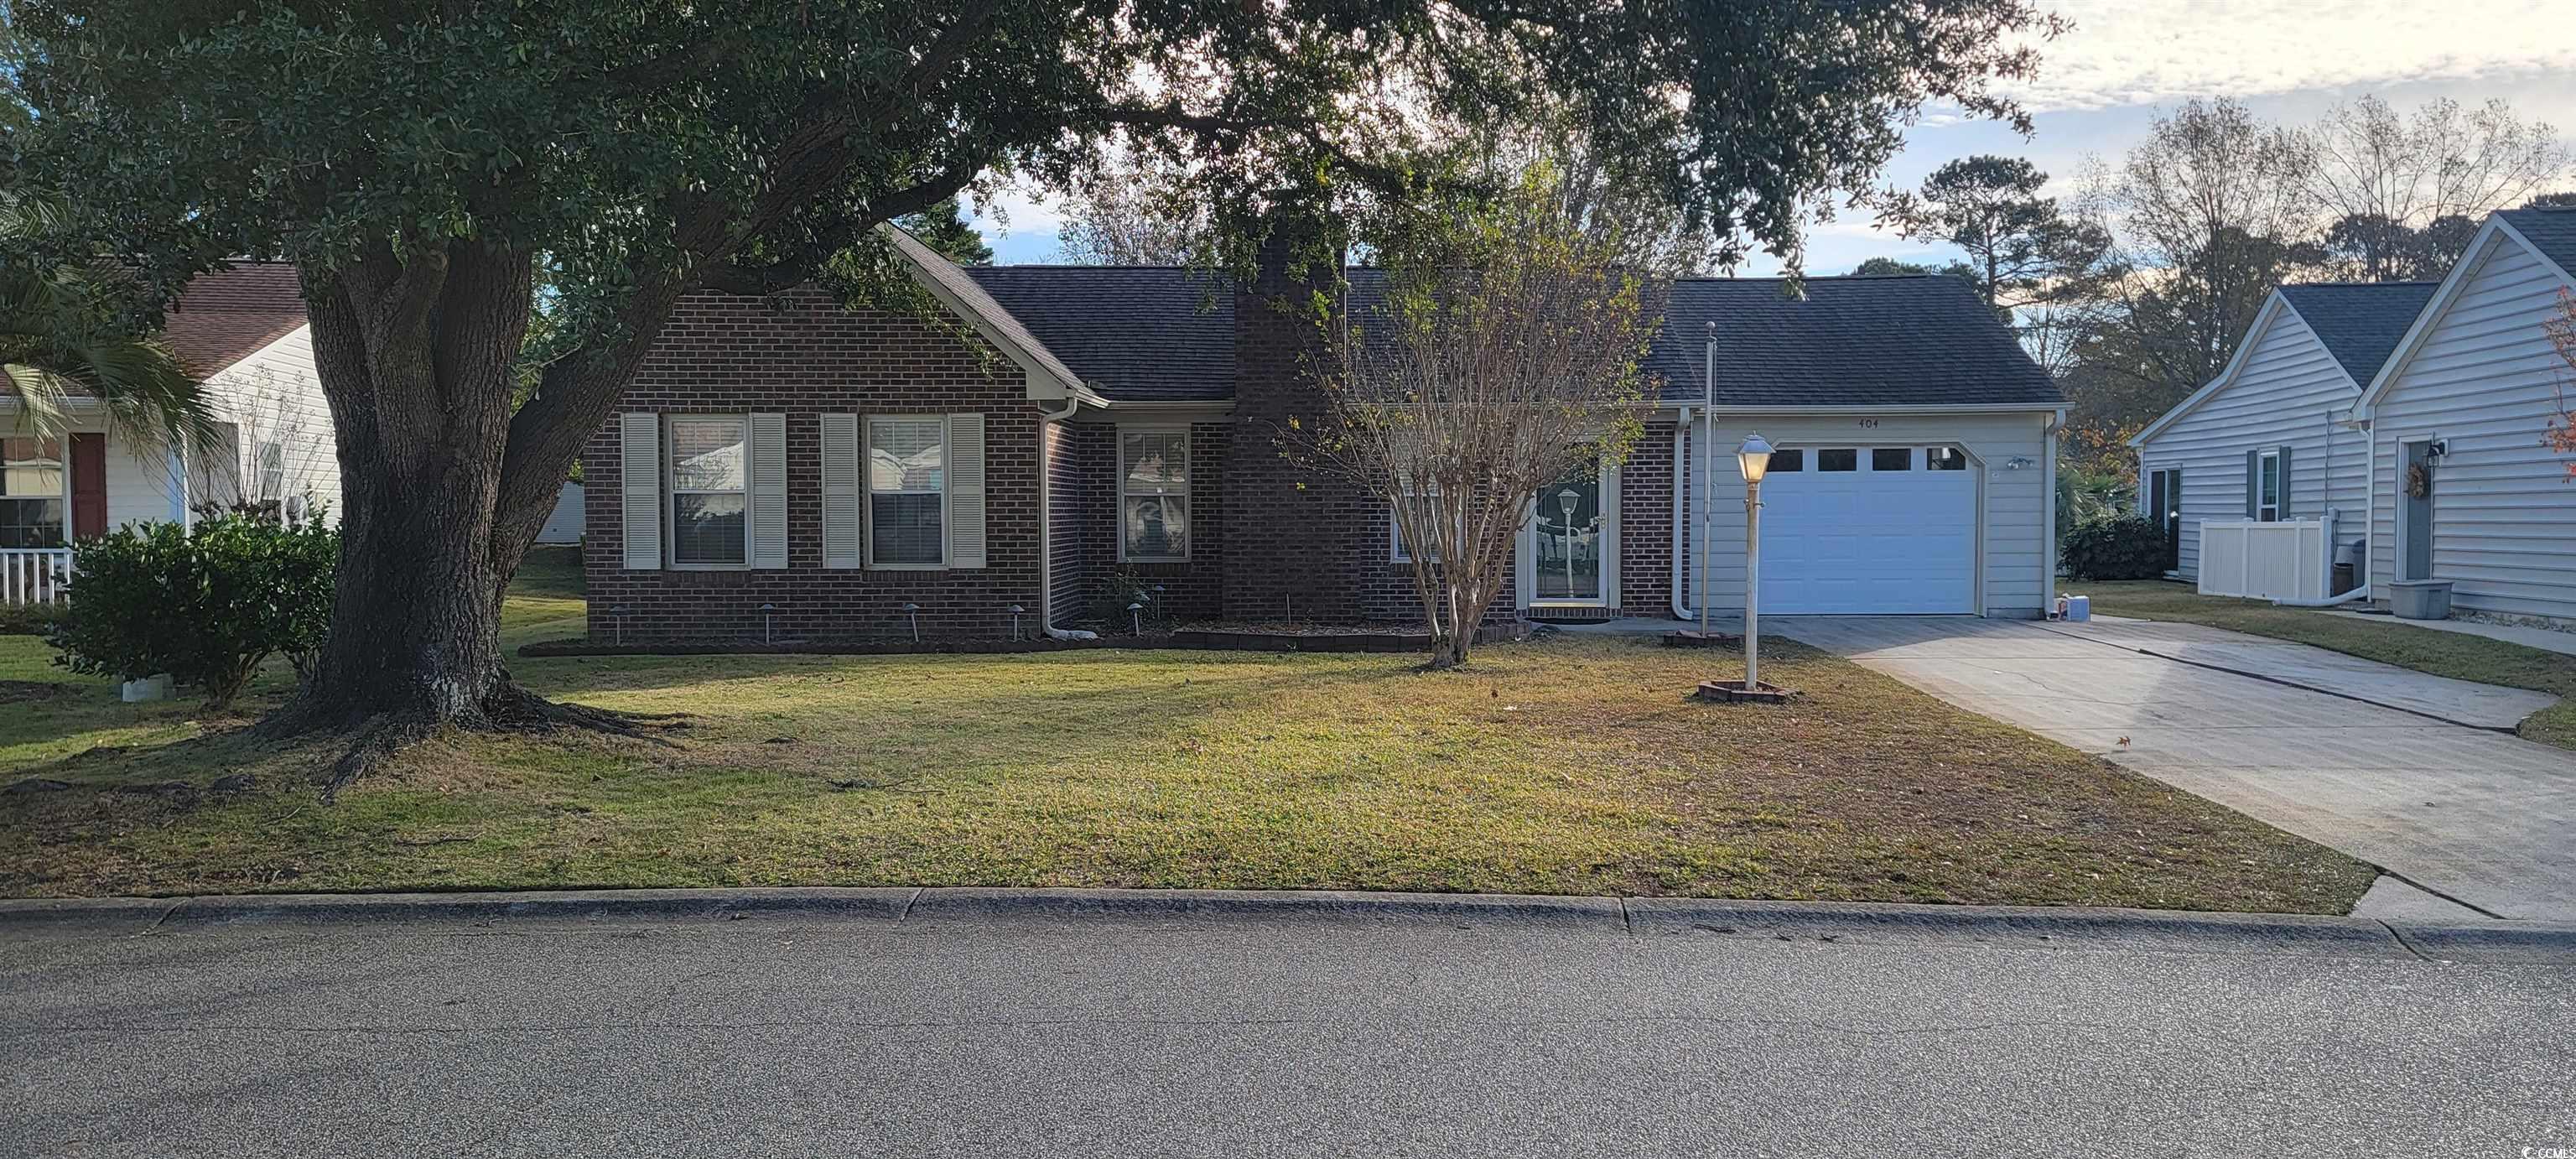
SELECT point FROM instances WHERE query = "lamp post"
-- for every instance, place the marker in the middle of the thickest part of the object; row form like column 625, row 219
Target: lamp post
column 1565, row 501
column 1755, row 459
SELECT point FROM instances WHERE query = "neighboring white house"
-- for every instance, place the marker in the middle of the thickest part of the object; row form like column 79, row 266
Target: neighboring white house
column 2472, row 386
column 563, row 524
column 243, row 332
column 2269, row 438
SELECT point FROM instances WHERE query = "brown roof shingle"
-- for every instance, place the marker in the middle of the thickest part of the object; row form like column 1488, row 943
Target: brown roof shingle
column 228, row 315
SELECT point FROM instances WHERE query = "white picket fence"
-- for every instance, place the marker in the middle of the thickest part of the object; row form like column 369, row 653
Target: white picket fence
column 34, row 575
column 2284, row 560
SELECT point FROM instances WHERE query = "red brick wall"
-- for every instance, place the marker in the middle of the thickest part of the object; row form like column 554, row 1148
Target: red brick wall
column 1646, row 524
column 803, row 355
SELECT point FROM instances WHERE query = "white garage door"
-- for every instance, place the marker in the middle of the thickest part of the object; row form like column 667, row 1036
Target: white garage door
column 1869, row 531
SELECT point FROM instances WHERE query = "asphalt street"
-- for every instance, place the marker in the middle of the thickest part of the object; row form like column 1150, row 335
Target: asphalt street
column 1226, row 1036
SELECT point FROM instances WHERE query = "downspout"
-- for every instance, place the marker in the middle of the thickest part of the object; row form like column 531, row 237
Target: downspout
column 2048, row 518
column 1681, row 515
column 1046, row 527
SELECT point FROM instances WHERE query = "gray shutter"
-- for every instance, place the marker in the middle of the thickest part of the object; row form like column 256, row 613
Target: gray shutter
column 639, row 468
column 966, row 490
column 2254, row 484
column 2285, row 481
column 769, row 491
column 842, row 533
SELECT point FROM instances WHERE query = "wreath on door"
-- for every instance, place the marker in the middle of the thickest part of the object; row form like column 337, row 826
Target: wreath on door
column 2419, row 481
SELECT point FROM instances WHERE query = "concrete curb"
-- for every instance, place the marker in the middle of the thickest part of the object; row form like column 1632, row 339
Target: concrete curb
column 2170, row 931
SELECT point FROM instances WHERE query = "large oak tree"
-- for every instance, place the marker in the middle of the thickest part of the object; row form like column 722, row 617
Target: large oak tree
column 428, row 164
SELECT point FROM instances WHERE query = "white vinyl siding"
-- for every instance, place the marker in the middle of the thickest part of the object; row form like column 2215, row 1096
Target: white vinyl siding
column 2290, row 392
column 1153, row 494
column 2485, row 381
column 2011, row 501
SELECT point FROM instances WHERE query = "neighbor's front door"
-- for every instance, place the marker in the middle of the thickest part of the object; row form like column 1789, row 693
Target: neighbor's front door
column 2164, row 505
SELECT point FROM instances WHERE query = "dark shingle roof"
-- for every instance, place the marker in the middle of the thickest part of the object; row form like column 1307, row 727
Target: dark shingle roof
column 228, row 315
column 1853, row 341
column 1163, row 334
column 2360, row 322
column 2552, row 230
column 1134, row 333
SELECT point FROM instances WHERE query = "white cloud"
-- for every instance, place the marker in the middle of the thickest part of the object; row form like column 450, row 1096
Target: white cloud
column 2126, row 53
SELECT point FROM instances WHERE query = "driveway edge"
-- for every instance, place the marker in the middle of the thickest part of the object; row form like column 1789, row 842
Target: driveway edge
column 2169, row 931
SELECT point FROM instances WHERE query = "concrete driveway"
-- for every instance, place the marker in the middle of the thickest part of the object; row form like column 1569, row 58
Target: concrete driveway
column 2417, row 774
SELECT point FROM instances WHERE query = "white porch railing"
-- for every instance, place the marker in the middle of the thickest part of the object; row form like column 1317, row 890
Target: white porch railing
column 2284, row 560
column 34, row 575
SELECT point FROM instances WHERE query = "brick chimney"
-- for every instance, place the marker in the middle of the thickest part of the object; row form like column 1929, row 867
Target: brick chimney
column 1296, row 541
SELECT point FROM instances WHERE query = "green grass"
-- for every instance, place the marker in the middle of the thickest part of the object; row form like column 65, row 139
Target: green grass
column 2454, row 654
column 1567, row 765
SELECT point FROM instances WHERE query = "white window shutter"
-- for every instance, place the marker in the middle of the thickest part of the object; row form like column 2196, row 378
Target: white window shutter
column 639, row 465
column 966, row 490
column 769, row 491
column 843, row 535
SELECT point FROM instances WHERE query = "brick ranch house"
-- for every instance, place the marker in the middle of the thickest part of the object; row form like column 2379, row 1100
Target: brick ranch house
column 787, row 466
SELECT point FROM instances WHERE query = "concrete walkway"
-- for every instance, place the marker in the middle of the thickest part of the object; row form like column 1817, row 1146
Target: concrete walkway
column 2409, row 772
column 2541, row 638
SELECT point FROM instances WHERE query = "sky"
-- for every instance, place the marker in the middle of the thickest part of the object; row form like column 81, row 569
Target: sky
column 2101, row 86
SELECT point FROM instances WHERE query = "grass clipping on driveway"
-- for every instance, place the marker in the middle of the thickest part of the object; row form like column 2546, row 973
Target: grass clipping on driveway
column 2458, row 655
column 1567, row 765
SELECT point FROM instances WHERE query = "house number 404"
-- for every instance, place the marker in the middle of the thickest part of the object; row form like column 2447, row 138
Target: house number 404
column 1868, row 424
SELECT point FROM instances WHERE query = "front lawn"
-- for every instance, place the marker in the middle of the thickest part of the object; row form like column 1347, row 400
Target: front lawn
column 1567, row 765
column 2454, row 654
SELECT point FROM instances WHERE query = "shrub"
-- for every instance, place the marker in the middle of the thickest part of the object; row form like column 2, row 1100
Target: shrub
column 205, row 604
column 2119, row 547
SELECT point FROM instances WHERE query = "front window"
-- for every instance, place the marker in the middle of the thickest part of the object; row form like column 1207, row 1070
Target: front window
column 907, row 492
column 272, row 470
column 1154, row 494
column 1403, row 552
column 709, row 504
column 31, row 492
column 2268, row 507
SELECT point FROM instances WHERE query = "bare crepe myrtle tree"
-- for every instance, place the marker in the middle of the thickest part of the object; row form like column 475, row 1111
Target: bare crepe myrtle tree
column 1495, row 350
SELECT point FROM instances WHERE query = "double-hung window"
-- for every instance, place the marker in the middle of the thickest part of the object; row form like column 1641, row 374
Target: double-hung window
column 710, row 500
column 1154, row 494
column 31, row 492
column 2267, row 505
column 907, row 471
column 1401, row 551
column 270, row 458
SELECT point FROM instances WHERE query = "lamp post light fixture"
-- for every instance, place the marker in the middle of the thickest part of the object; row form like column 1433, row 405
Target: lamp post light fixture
column 1754, row 457
column 1016, row 612
column 768, row 623
column 1565, row 501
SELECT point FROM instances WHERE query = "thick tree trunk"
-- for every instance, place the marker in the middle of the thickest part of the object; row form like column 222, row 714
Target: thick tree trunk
column 420, row 400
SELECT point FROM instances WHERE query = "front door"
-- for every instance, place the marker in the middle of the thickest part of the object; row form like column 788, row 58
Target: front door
column 2164, row 505
column 2415, row 510
column 1569, row 535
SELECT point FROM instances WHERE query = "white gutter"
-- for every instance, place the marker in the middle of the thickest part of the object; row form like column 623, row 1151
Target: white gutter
column 2048, row 520
column 2058, row 408
column 1046, row 529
